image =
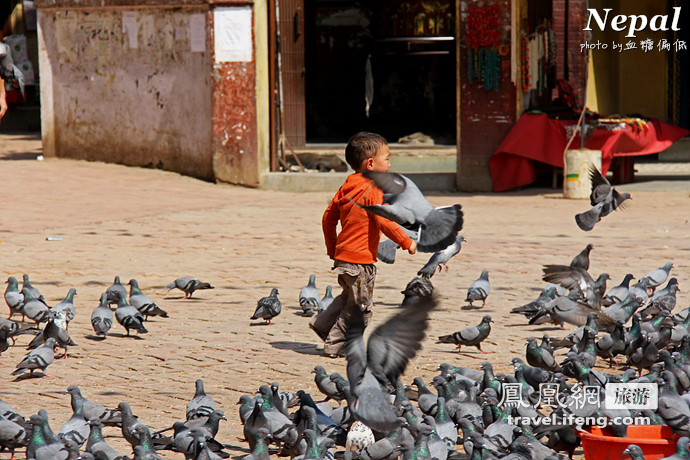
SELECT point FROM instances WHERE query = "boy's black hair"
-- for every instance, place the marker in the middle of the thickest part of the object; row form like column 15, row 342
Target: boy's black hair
column 361, row 147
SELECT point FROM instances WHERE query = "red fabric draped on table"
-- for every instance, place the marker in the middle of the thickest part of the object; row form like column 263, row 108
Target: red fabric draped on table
column 536, row 137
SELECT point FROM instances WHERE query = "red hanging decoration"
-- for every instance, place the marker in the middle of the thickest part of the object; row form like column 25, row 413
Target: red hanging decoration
column 482, row 26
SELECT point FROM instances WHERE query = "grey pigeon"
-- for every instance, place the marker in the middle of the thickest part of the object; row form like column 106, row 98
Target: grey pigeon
column 76, row 428
column 12, row 435
column 566, row 310
column 387, row 250
column 52, row 329
column 8, row 71
column 418, row 287
column 268, row 307
column 14, row 297
column 636, row 453
column 27, row 287
column 39, row 358
column 68, row 305
column 604, row 199
column 479, row 289
column 618, row 293
column 612, row 344
column 574, row 278
column 327, row 299
column 439, row 260
column 40, row 448
column 639, row 290
column 309, row 297
column 14, row 328
column 102, row 317
column 682, row 450
column 672, row 408
column 129, row 424
column 538, row 357
column 188, row 285
column 471, row 336
column 129, row 317
column 116, row 291
column 108, row 417
column 96, row 443
column 145, row 448
column 35, row 309
column 325, row 385
column 389, row 349
column 546, row 297
column 405, row 204
column 142, row 302
column 260, row 451
column 663, row 299
column 201, row 405
column 623, row 311
column 658, row 277
column 4, row 338
column 582, row 259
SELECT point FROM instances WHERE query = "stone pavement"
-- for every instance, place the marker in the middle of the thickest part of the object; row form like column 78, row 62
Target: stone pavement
column 155, row 226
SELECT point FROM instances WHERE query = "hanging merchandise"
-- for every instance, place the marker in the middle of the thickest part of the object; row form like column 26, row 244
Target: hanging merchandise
column 483, row 60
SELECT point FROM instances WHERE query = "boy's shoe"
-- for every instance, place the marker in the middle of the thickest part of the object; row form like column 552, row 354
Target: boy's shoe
column 334, row 355
column 321, row 335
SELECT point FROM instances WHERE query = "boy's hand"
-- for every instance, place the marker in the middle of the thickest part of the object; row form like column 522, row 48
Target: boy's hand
column 413, row 248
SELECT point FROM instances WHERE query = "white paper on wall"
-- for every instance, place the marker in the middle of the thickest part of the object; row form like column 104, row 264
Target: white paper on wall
column 233, row 34
column 129, row 26
column 197, row 32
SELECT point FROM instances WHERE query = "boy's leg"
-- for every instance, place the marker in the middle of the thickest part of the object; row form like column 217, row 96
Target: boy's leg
column 357, row 309
column 324, row 321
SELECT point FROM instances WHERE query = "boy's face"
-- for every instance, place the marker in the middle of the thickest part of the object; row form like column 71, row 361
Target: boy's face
column 380, row 161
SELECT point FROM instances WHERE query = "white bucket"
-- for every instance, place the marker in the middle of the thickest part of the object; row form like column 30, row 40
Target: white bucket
column 576, row 181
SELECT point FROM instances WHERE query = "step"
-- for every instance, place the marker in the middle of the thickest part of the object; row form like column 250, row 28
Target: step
column 679, row 151
column 331, row 181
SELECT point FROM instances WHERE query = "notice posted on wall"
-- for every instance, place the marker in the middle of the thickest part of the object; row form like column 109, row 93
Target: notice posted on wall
column 197, row 32
column 233, row 34
column 129, row 27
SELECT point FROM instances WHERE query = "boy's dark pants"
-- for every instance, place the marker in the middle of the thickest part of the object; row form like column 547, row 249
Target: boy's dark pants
column 352, row 306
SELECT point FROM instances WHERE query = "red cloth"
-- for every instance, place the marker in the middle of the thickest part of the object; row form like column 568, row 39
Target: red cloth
column 536, row 137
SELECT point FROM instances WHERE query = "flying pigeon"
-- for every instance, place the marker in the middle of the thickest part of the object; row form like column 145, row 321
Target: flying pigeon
column 577, row 279
column 604, row 199
column 8, row 71
column 582, row 259
column 268, row 307
column 39, row 358
column 102, row 317
column 404, row 204
column 142, row 302
column 188, row 285
column 389, row 349
column 116, row 291
column 309, row 297
column 439, row 260
column 479, row 289
column 471, row 336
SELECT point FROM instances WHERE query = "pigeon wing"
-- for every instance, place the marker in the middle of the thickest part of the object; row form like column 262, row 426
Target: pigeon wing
column 387, row 250
column 389, row 183
column 600, row 186
column 356, row 355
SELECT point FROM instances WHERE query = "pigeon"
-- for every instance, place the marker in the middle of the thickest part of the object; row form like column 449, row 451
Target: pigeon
column 389, row 349
column 618, row 293
column 418, row 287
column 439, row 260
column 682, row 450
column 612, row 344
column 546, row 297
column 309, row 297
column 479, row 289
column 35, row 293
column 12, row 435
column 268, row 307
column 52, row 329
column 260, row 451
column 129, row 317
column 40, row 448
column 116, row 291
column 387, row 250
column 663, row 299
column 145, row 448
column 201, row 405
column 361, row 437
column 471, row 336
column 325, row 384
column 566, row 310
column 76, row 428
column 39, row 358
column 35, row 309
column 604, row 199
column 582, row 259
column 96, row 443
column 102, row 317
column 188, row 285
column 14, row 297
column 68, row 305
column 538, row 357
column 142, row 302
column 639, row 290
column 8, row 71
column 635, row 452
column 404, row 204
column 622, row 312
column 327, row 299
column 658, row 277
column 672, row 408
column 108, row 417
column 579, row 280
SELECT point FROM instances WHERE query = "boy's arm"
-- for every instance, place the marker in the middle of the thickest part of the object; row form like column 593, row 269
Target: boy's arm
column 329, row 224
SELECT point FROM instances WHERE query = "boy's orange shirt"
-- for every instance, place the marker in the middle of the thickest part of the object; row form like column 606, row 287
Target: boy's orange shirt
column 358, row 240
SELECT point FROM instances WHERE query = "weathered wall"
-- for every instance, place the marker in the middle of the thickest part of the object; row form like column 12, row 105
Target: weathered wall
column 107, row 98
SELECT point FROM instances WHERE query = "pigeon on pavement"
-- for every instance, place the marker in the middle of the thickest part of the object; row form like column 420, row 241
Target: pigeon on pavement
column 14, row 297
column 188, row 285
column 582, row 259
column 604, row 199
column 479, row 289
column 201, row 405
column 52, row 329
column 325, row 384
column 102, row 317
column 618, row 293
column 142, row 302
column 309, row 297
column 658, row 277
column 405, row 204
column 471, row 336
column 67, row 304
column 96, row 443
column 439, row 260
column 268, row 308
column 76, row 428
column 35, row 309
column 574, row 278
column 129, row 317
column 108, row 417
column 538, row 357
column 39, row 358
column 116, row 291
column 389, row 349
column 35, row 293
column 327, row 299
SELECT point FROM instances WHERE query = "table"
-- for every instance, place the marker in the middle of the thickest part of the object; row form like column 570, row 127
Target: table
column 537, row 138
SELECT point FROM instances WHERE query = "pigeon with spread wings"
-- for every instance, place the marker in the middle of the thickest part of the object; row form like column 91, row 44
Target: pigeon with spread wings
column 604, row 199
column 404, row 204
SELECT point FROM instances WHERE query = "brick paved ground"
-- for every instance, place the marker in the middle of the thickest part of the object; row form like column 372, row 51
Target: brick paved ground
column 155, row 226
